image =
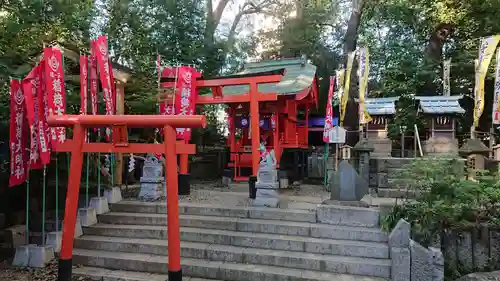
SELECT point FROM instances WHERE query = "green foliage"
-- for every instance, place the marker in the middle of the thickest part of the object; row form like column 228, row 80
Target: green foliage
column 445, row 199
column 406, row 118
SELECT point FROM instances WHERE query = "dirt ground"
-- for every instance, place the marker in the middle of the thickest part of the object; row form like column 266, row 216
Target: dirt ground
column 49, row 273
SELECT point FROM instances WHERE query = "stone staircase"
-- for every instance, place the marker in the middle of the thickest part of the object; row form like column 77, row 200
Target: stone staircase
column 235, row 243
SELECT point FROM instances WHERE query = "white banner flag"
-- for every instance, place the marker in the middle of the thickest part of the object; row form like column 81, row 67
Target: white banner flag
column 446, row 77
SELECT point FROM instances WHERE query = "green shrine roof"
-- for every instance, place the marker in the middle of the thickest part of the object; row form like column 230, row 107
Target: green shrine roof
column 299, row 75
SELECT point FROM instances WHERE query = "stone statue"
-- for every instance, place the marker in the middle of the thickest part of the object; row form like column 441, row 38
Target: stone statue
column 267, row 158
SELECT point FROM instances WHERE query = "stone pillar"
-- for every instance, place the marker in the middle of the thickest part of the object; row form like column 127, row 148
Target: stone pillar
column 364, row 148
column 399, row 250
column 152, row 180
column 475, row 152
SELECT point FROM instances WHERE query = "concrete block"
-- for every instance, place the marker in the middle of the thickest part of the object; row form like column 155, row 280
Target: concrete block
column 151, row 191
column 87, row 216
column 266, row 185
column 100, row 204
column 54, row 239
column 33, row 256
column 114, row 194
column 225, row 253
column 22, row 256
column 400, row 235
column 16, row 235
column 40, row 255
column 401, row 264
column 78, row 228
column 350, row 216
column 267, row 241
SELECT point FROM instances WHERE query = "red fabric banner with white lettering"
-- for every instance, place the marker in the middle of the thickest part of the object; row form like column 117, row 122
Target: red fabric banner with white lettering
column 329, row 112
column 18, row 137
column 93, row 78
column 56, row 93
column 101, row 52
column 30, row 85
column 84, row 76
column 185, row 98
column 43, row 113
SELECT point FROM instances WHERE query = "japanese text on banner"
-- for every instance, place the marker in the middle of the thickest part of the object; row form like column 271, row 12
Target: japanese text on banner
column 18, row 138
column 54, row 76
column 30, row 85
column 496, row 93
column 329, row 110
column 486, row 50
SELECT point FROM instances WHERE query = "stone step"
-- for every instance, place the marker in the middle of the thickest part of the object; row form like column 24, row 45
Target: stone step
column 296, row 215
column 205, row 269
column 245, row 239
column 251, row 225
column 232, row 254
column 103, row 274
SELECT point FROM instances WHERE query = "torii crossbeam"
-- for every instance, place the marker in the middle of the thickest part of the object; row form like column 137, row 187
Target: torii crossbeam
column 77, row 146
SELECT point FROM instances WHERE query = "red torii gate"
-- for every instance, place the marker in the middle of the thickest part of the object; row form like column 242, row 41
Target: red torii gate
column 120, row 123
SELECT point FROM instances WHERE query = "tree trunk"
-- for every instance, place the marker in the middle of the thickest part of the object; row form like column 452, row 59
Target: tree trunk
column 351, row 35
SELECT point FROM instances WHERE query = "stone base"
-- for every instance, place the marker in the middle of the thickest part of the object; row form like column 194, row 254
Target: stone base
column 16, row 235
column 88, row 216
column 267, row 175
column 100, row 204
column 78, row 228
column 441, row 147
column 33, row 256
column 267, row 197
column 261, row 185
column 54, row 239
column 114, row 194
column 151, row 191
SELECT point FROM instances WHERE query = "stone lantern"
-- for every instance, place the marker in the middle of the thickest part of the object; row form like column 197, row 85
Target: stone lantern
column 475, row 153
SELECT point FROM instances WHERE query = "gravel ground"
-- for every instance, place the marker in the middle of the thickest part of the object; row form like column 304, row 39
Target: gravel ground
column 49, row 273
column 212, row 192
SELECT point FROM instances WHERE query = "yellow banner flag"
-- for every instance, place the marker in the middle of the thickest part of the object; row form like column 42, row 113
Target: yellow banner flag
column 486, row 51
column 347, row 83
column 363, row 71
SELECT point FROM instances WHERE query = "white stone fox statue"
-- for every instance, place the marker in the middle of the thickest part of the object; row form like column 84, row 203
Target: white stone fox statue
column 267, row 158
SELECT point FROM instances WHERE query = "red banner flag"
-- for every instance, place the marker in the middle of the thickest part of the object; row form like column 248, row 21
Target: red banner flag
column 30, row 85
column 185, row 97
column 56, row 93
column 329, row 111
column 101, row 49
column 84, row 76
column 93, row 78
column 18, row 138
column 101, row 52
column 43, row 113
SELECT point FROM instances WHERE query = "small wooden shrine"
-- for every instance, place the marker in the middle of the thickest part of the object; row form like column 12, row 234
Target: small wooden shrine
column 440, row 113
column 267, row 103
column 381, row 110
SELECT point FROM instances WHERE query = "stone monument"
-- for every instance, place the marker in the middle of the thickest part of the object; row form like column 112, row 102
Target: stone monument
column 346, row 184
column 267, row 180
column 152, row 180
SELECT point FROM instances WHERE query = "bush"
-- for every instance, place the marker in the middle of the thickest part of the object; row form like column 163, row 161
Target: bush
column 446, row 199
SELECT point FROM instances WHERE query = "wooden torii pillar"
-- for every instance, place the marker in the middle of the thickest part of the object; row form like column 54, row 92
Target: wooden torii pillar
column 77, row 146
